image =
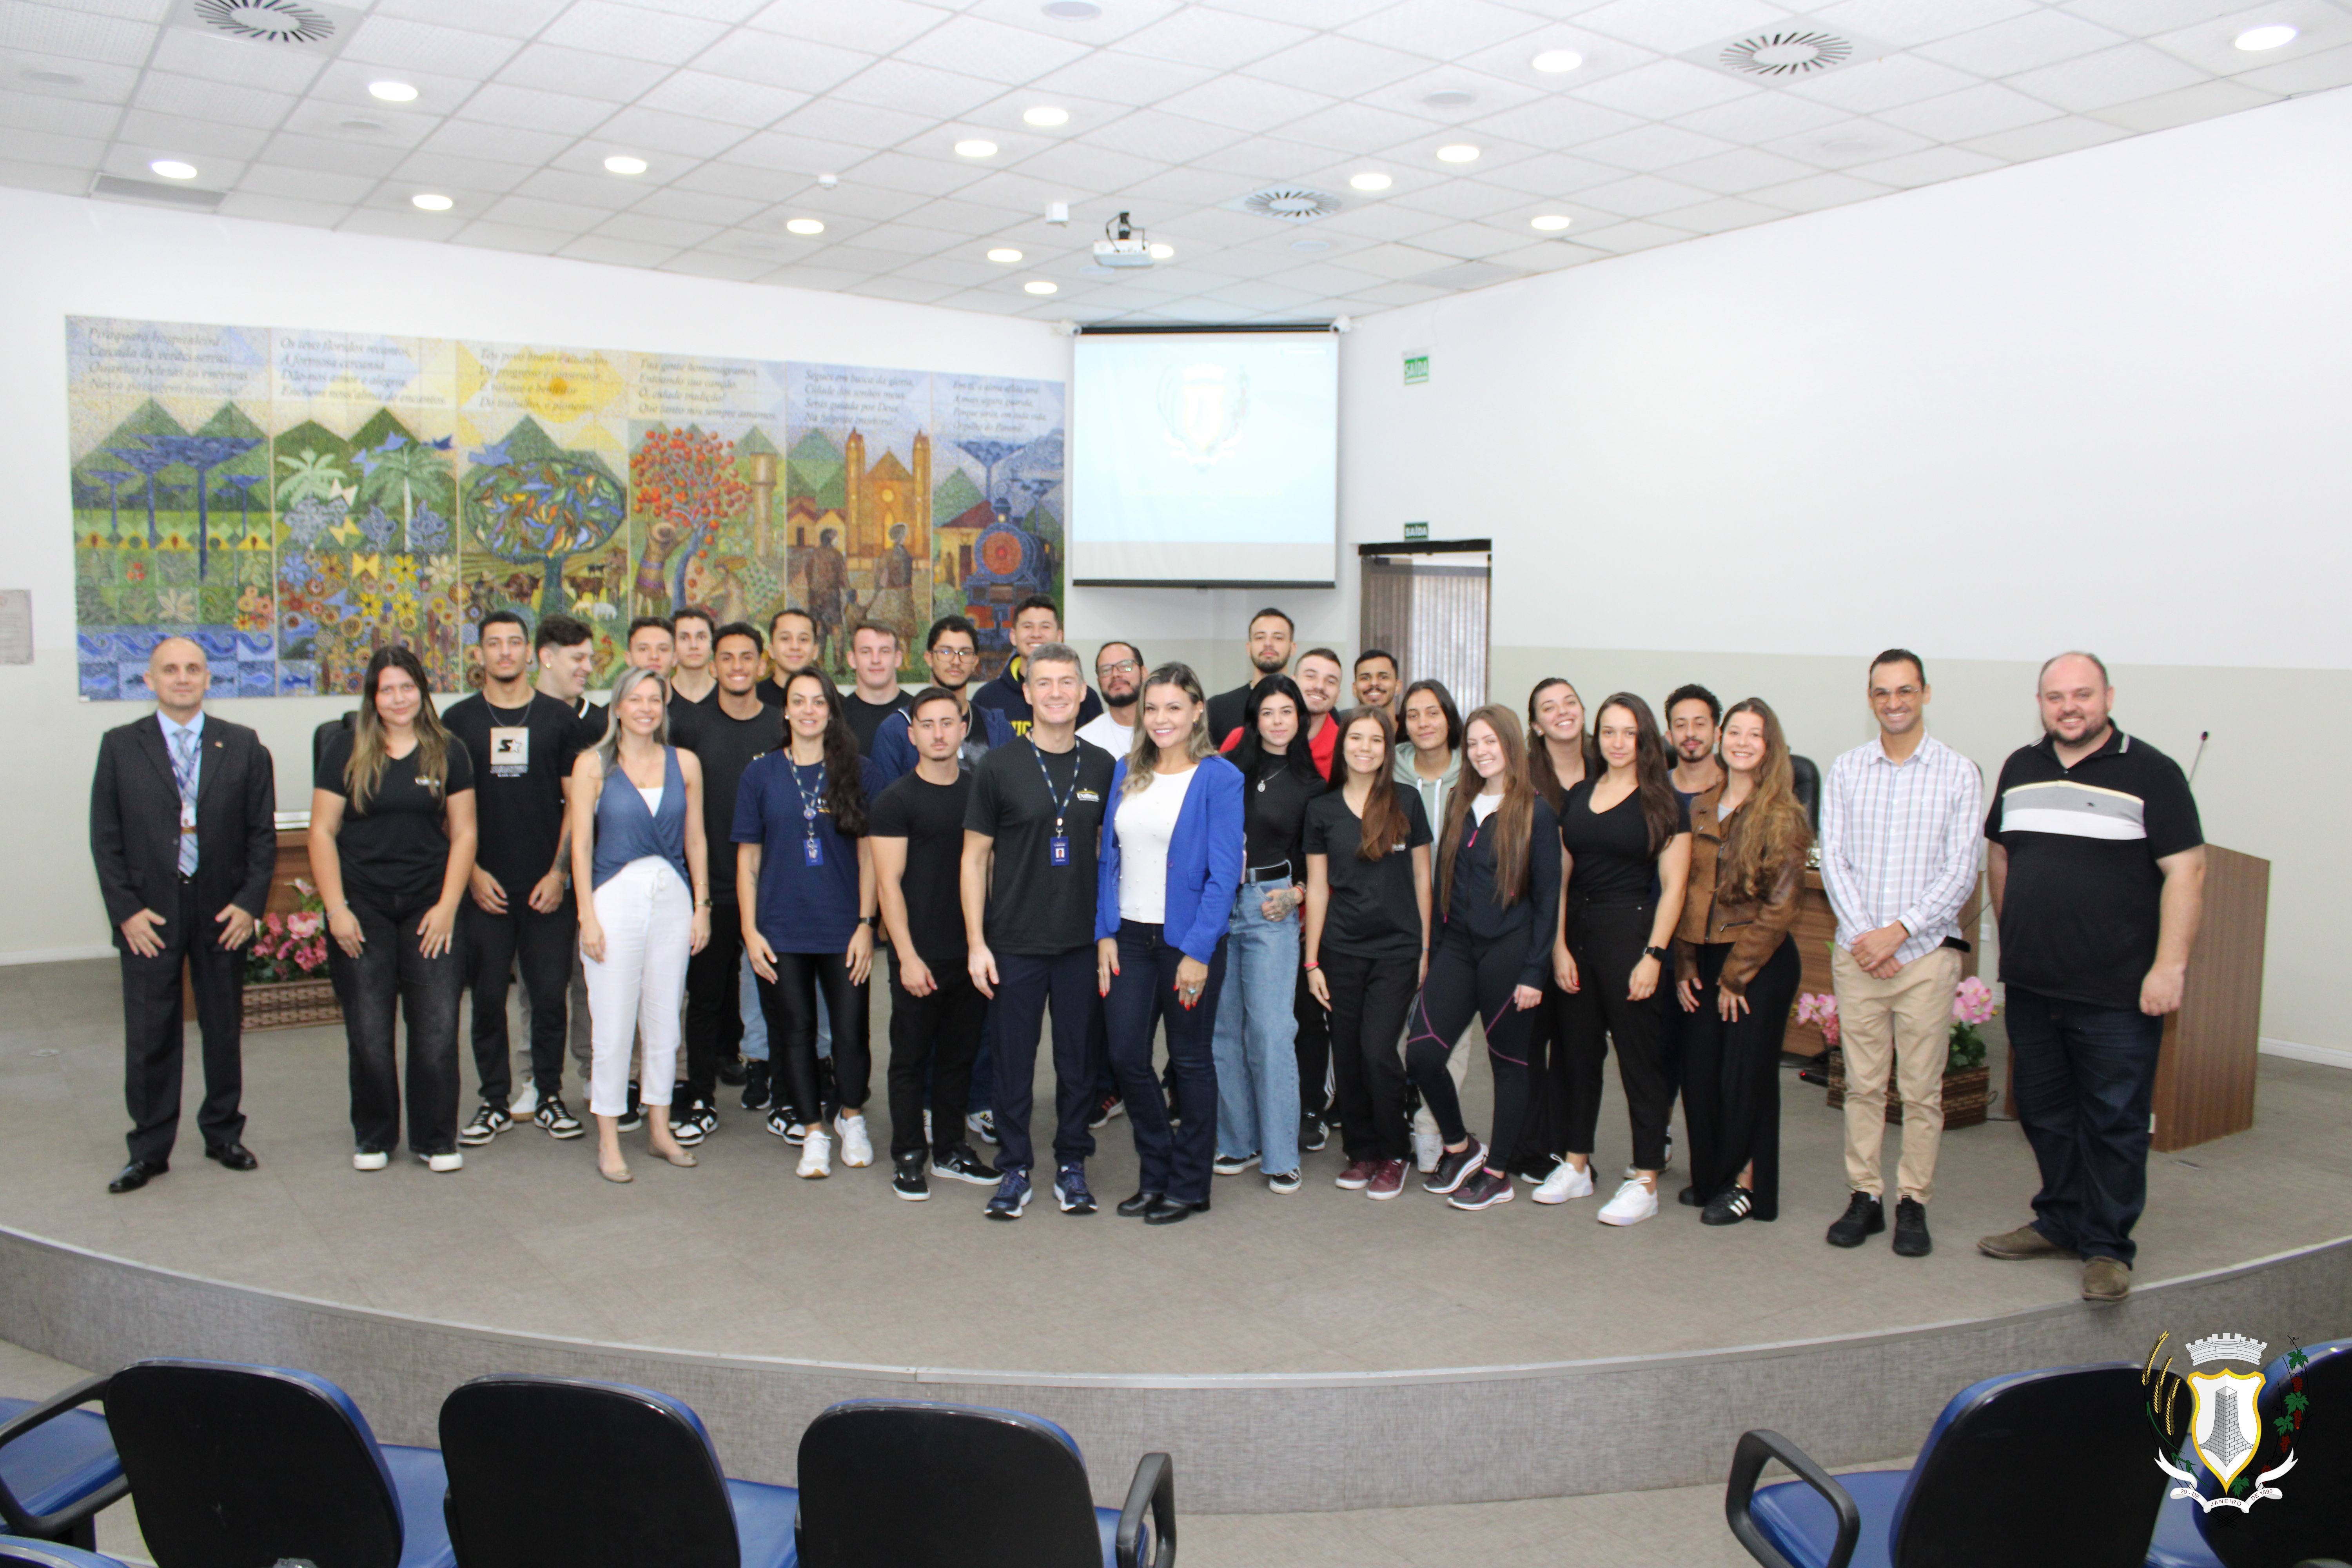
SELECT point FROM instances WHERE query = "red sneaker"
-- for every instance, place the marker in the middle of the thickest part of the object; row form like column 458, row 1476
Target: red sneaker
column 1388, row 1179
column 1356, row 1178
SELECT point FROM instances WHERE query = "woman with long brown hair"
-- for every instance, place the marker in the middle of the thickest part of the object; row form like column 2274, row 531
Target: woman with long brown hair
column 1367, row 946
column 392, row 847
column 1497, row 887
column 1737, row 969
column 1561, row 752
column 805, row 888
column 1622, row 832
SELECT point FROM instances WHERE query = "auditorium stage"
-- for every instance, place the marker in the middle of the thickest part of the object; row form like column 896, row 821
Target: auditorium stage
column 1311, row 1351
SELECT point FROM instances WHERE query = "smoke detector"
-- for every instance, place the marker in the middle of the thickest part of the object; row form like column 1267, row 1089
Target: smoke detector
column 1788, row 51
column 1287, row 204
column 310, row 25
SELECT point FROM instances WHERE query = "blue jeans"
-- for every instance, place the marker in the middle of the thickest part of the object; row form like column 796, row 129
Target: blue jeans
column 1257, row 1030
column 1143, row 996
column 1026, row 983
column 2085, row 1079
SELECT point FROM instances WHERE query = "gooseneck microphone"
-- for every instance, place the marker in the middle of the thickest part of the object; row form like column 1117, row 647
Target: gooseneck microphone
column 2202, row 736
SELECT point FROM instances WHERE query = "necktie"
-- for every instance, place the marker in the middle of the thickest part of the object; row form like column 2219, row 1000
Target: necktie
column 183, row 769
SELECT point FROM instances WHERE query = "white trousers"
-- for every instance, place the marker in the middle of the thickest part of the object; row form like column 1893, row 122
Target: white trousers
column 647, row 914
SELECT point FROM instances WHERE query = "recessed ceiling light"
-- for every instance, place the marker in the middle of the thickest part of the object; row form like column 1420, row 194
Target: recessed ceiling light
column 1557, row 60
column 1040, row 286
column 1450, row 98
column 805, row 225
column 172, row 169
column 432, row 203
column 1161, row 250
column 358, row 125
column 392, row 92
column 1550, row 223
column 1005, row 254
column 975, row 149
column 1460, row 152
column 1310, row 245
column 2267, row 38
column 53, row 79
column 1045, row 115
column 1072, row 10
column 621, row 163
column 1370, row 182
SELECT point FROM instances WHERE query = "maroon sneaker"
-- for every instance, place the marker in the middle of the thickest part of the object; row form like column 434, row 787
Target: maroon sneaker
column 1483, row 1191
column 1357, row 1176
column 1388, row 1179
column 1454, row 1167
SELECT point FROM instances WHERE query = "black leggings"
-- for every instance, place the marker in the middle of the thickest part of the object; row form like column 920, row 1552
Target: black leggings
column 788, row 1003
column 1371, row 999
column 1606, row 940
column 1462, row 981
column 1731, row 1077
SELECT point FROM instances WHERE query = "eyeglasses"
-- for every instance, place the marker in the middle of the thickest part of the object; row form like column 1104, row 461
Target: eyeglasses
column 955, row 655
column 1124, row 667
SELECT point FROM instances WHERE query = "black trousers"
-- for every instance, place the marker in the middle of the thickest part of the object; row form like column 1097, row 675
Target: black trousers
column 1371, row 998
column 1142, row 999
column 154, row 1031
column 1731, row 1077
column 1314, row 1047
column 788, row 1003
column 937, row 1037
column 1606, row 940
column 714, row 1011
column 1466, row 978
column 541, row 946
column 1024, row 981
column 393, row 980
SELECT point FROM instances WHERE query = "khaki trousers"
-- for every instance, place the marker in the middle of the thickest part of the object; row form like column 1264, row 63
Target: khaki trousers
column 1905, row 1024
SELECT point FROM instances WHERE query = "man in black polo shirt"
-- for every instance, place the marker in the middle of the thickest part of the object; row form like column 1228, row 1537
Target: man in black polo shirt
column 2097, row 866
column 521, row 913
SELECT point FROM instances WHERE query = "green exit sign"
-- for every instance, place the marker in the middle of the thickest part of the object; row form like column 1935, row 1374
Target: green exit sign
column 1414, row 530
column 1416, row 367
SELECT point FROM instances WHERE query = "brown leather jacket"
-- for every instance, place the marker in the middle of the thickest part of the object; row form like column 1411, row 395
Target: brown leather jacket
column 1754, row 927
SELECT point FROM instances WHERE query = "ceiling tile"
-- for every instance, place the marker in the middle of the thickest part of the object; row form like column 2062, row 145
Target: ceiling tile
column 2311, row 73
column 2047, row 140
column 191, row 53
column 2038, row 37
column 592, row 193
column 1723, row 214
column 98, row 83
column 801, row 154
column 1394, row 295
column 75, row 35
column 1816, row 192
column 708, row 97
column 34, row 111
column 1462, row 199
column 1666, row 88
column 631, row 33
column 696, row 206
column 1306, row 13
column 1905, row 22
column 514, row 18
column 169, row 94
column 743, row 182
column 1376, row 223
column 501, row 144
column 729, row 11
column 618, row 252
column 2211, row 40
column 917, row 176
column 1245, row 103
column 2142, row 18
column 313, row 186
column 768, row 58
column 1356, row 128
column 834, row 118
column 906, row 239
column 1489, row 94
column 1444, row 28
column 340, row 122
column 1624, row 238
column 403, row 222
column 1553, row 174
column 1182, row 189
column 1202, row 36
column 511, row 236
column 344, row 83
column 709, row 263
column 1396, row 262
column 2121, row 75
column 984, row 48
column 1644, row 196
column 1740, row 170
column 1650, row 147
column 193, row 138
column 918, row 89
column 1672, row 26
column 430, row 168
column 528, row 108
column 281, row 209
column 428, row 46
column 1340, row 66
column 857, row 200
column 1556, row 123
column 649, row 131
column 1114, row 22
column 962, row 273
column 1260, row 160
column 910, row 291
column 1883, row 84
column 1157, row 134
column 1329, row 278
column 2186, row 107
column 87, row 152
column 1848, row 144
column 581, row 73
column 335, row 157
column 649, row 230
column 873, row 27
column 1759, row 117
column 1978, row 112
column 1929, row 167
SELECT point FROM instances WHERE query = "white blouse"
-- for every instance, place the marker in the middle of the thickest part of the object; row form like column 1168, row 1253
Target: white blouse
column 1146, row 822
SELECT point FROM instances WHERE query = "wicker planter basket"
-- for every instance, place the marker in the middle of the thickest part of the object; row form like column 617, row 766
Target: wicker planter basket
column 292, row 1004
column 1967, row 1093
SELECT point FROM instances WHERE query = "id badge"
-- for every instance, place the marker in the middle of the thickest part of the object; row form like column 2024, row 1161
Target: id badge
column 1058, row 849
column 814, row 850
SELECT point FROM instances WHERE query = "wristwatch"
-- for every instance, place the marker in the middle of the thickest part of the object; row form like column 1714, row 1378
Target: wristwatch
column 1658, row 952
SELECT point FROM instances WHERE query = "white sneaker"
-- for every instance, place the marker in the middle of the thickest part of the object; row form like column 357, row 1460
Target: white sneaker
column 1633, row 1204
column 442, row 1162
column 525, row 1105
column 816, row 1154
column 370, row 1160
column 1427, row 1149
column 1565, row 1182
column 856, row 1149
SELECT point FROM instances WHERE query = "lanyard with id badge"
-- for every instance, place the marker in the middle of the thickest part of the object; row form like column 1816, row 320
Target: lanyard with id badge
column 812, row 849
column 1057, row 848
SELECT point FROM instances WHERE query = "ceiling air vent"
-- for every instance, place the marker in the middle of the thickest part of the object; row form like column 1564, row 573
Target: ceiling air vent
column 1289, row 204
column 117, row 188
column 312, row 24
column 1792, row 51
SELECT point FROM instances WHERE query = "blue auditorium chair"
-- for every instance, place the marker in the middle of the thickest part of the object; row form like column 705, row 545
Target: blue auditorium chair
column 560, row 1472
column 2051, row 1467
column 57, row 1466
column 889, row 1483
column 242, row 1466
column 2312, row 1515
column 18, row 1552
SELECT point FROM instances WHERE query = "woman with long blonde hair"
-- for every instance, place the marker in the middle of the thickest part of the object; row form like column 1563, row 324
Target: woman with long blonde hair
column 1737, row 969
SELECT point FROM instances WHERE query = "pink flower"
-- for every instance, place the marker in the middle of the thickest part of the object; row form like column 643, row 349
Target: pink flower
column 304, row 926
column 276, row 923
column 1972, row 1004
column 1819, row 1008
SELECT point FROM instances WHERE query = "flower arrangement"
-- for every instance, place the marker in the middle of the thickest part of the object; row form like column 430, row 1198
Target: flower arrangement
column 1972, row 1006
column 1819, row 1008
column 291, row 946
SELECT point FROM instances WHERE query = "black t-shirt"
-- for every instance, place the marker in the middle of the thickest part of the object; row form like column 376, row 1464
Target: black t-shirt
column 1373, row 912
column 590, row 720
column 522, row 757
column 2081, row 911
column 726, row 746
column 1225, row 711
column 395, row 853
column 1274, row 814
column 679, row 702
column 1034, row 906
column 1610, row 848
column 865, row 718
column 930, row 818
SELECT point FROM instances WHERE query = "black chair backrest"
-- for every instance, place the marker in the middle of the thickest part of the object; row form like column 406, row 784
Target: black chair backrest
column 242, row 1466
column 1806, row 780
column 2053, row 1468
column 324, row 733
column 2312, row 1515
column 558, row 1472
column 902, row 1483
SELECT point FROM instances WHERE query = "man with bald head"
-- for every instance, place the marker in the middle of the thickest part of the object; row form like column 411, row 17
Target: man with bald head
column 182, row 829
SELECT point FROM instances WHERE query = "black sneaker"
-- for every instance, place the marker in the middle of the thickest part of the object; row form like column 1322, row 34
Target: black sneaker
column 487, row 1124
column 1070, row 1190
column 1312, row 1134
column 1233, row 1164
column 755, row 1086
column 558, row 1120
column 1482, row 1190
column 1865, row 1216
column 1730, row 1207
column 1456, row 1166
column 1011, row 1195
column 780, row 1124
column 697, row 1114
column 964, row 1165
column 1108, row 1107
column 732, row 1072
column 686, row 1128
column 906, row 1180
column 1911, row 1240
column 634, row 1117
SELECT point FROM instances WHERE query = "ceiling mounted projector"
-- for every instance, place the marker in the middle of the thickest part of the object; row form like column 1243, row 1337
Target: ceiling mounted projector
column 1122, row 245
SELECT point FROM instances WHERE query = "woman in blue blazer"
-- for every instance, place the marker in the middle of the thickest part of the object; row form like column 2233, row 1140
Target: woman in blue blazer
column 1171, row 861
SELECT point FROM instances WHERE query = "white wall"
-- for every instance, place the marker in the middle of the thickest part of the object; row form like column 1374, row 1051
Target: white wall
column 2095, row 401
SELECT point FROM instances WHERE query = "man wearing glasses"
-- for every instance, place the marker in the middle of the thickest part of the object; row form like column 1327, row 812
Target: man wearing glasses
column 1118, row 676
column 951, row 648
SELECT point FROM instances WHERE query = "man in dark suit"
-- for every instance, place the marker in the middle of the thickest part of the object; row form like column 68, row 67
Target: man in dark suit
column 182, row 829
